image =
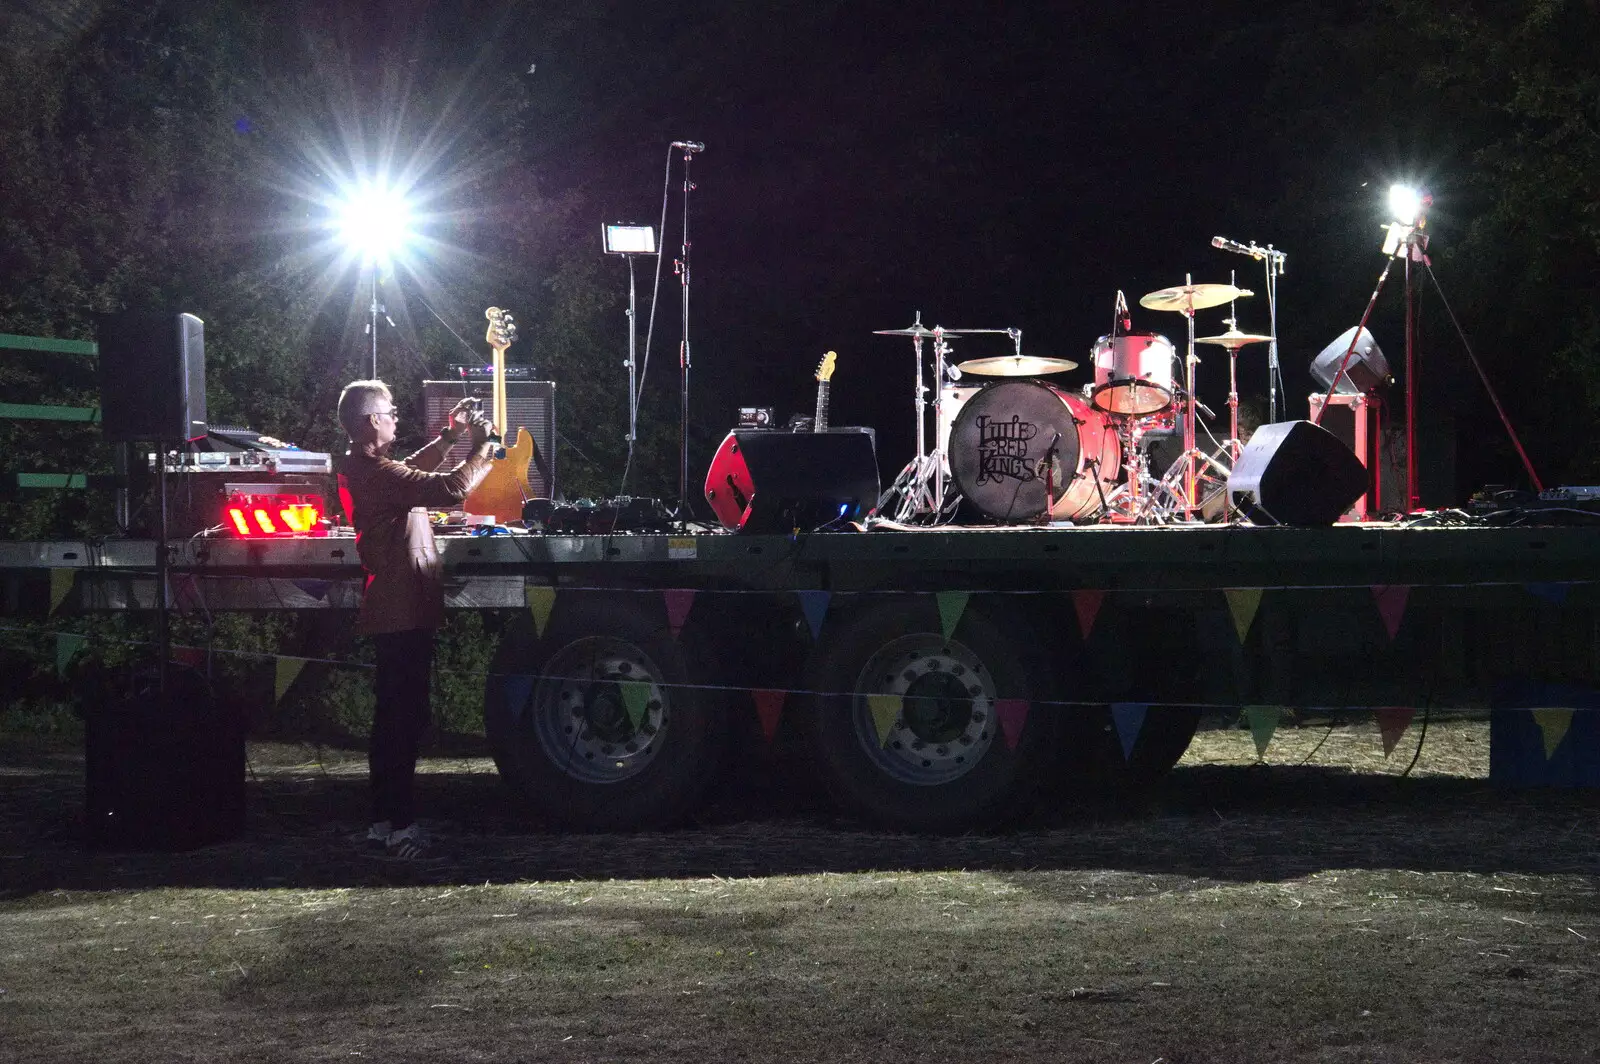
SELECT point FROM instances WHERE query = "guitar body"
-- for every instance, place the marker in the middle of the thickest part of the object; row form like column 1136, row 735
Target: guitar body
column 506, row 488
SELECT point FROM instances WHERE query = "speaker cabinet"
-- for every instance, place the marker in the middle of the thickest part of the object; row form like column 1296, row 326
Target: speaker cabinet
column 152, row 377
column 1295, row 473
column 763, row 480
column 529, row 404
column 164, row 771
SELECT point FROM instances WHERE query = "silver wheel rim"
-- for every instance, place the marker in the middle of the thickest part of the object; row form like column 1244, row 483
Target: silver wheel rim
column 580, row 714
column 947, row 719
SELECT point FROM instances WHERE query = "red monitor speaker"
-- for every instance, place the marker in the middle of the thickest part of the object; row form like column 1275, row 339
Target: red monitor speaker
column 152, row 377
column 1295, row 473
column 529, row 404
column 763, row 480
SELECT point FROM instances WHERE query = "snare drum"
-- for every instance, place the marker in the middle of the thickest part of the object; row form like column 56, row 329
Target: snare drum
column 1009, row 436
column 1133, row 373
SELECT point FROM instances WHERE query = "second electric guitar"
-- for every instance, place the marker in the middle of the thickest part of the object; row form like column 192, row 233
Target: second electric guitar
column 506, row 488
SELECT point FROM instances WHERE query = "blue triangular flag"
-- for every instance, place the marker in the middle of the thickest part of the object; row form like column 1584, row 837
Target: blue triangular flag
column 519, row 688
column 1555, row 594
column 814, row 604
column 1129, row 719
column 317, row 589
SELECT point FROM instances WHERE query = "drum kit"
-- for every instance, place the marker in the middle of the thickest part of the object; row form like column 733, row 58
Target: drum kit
column 1023, row 449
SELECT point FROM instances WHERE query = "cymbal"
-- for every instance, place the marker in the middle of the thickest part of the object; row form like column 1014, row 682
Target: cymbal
column 916, row 330
column 1191, row 297
column 1015, row 366
column 1233, row 339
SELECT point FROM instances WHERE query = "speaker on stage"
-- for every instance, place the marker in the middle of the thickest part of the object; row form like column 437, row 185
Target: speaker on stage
column 1295, row 473
column 763, row 480
column 152, row 377
column 163, row 770
column 530, row 405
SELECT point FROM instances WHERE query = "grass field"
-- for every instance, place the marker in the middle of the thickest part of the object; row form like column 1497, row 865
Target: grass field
column 1322, row 910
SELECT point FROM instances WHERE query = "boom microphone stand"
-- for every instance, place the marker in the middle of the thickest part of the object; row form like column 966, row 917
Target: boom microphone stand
column 681, row 267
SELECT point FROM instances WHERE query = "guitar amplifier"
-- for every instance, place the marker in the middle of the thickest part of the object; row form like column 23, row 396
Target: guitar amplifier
column 529, row 404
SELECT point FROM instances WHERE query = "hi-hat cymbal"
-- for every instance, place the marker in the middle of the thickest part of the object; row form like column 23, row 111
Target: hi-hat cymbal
column 1233, row 339
column 1015, row 366
column 918, row 329
column 1191, row 297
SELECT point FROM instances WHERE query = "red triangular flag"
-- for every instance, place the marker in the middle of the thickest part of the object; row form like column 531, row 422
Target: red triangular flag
column 769, row 706
column 1012, row 714
column 1392, row 724
column 1391, row 599
column 1087, row 602
column 679, row 600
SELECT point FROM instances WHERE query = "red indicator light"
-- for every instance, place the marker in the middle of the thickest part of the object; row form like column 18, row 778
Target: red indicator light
column 236, row 515
column 270, row 513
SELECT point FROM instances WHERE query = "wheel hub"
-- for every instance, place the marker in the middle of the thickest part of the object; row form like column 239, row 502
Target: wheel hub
column 599, row 710
column 946, row 721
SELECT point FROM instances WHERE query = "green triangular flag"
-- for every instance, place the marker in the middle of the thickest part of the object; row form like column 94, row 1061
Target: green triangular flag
column 1243, row 603
column 636, row 700
column 67, row 646
column 952, row 604
column 1263, row 722
column 885, row 711
column 286, row 671
column 541, row 600
column 61, row 581
column 1553, row 725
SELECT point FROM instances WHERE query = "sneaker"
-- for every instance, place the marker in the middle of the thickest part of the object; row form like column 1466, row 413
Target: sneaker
column 378, row 834
column 409, row 844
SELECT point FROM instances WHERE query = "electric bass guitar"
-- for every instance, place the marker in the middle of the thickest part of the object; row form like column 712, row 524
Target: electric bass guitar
column 729, row 488
column 506, row 488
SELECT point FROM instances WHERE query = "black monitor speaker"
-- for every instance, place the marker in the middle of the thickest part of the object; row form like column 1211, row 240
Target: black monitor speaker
column 1366, row 371
column 1295, row 473
column 152, row 377
column 798, row 480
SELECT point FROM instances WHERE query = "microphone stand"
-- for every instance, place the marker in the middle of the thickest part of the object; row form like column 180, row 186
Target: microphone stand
column 1274, row 261
column 681, row 267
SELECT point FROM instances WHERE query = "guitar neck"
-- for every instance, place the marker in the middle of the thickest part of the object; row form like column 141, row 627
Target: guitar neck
column 499, row 400
column 820, row 422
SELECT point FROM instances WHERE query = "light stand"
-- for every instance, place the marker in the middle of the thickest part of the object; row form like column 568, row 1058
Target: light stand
column 630, row 241
column 681, row 267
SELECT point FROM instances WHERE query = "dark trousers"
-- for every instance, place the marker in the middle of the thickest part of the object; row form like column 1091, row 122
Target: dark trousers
column 405, row 662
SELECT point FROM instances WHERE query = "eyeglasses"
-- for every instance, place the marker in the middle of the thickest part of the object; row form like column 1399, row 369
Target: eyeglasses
column 387, row 413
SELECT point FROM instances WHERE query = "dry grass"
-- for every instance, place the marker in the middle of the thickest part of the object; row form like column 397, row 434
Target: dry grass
column 1324, row 911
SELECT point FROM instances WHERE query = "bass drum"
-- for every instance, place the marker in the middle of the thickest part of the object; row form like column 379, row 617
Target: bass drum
column 1016, row 439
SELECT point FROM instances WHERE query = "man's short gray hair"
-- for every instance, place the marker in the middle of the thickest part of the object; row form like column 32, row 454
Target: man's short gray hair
column 359, row 399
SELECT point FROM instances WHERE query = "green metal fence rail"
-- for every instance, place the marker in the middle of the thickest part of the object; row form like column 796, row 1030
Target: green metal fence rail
column 35, row 412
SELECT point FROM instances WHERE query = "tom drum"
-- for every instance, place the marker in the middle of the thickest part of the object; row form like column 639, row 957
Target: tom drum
column 1133, row 373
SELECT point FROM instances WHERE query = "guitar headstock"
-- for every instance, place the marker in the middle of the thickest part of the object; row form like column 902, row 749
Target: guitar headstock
column 825, row 367
column 502, row 328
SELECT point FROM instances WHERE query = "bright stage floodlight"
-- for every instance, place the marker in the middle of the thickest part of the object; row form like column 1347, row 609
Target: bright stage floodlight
column 375, row 221
column 1405, row 203
column 629, row 239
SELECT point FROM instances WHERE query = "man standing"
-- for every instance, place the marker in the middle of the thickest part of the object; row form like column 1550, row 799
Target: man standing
column 403, row 603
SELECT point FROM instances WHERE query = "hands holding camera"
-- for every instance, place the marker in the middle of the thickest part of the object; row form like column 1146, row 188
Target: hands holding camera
column 469, row 415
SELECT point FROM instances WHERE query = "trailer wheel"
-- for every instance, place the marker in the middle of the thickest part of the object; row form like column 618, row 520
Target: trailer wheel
column 557, row 714
column 944, row 764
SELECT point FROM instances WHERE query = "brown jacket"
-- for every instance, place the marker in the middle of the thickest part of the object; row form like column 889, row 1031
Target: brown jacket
column 387, row 503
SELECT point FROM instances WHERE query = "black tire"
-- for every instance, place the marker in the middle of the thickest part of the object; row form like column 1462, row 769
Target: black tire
column 945, row 766
column 1094, row 755
column 570, row 747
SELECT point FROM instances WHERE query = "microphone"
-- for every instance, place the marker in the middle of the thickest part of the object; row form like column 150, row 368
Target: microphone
column 1242, row 249
column 1121, row 311
column 689, row 145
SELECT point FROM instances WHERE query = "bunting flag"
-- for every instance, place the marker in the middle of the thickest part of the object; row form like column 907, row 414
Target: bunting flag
column 1243, row 602
column 1553, row 725
column 1263, row 722
column 1013, row 715
column 952, row 604
column 519, row 688
column 185, row 593
column 636, row 700
column 61, row 581
column 1555, row 594
column 679, row 601
column 1086, row 602
column 1129, row 720
column 1391, row 600
column 1392, row 724
column 317, row 589
column 193, row 657
column 67, row 646
column 541, row 600
column 287, row 670
column 769, row 706
column 814, row 604
column 885, row 711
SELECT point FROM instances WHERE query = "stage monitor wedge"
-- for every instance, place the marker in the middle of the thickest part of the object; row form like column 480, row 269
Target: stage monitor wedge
column 1295, row 473
column 152, row 377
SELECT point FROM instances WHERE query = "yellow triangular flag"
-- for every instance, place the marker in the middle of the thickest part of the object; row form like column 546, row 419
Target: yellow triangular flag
column 952, row 604
column 1553, row 724
column 885, row 711
column 1243, row 603
column 61, row 581
column 1263, row 722
column 287, row 670
column 541, row 600
column 635, row 699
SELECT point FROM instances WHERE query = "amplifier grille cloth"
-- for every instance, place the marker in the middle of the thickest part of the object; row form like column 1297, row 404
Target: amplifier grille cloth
column 529, row 404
